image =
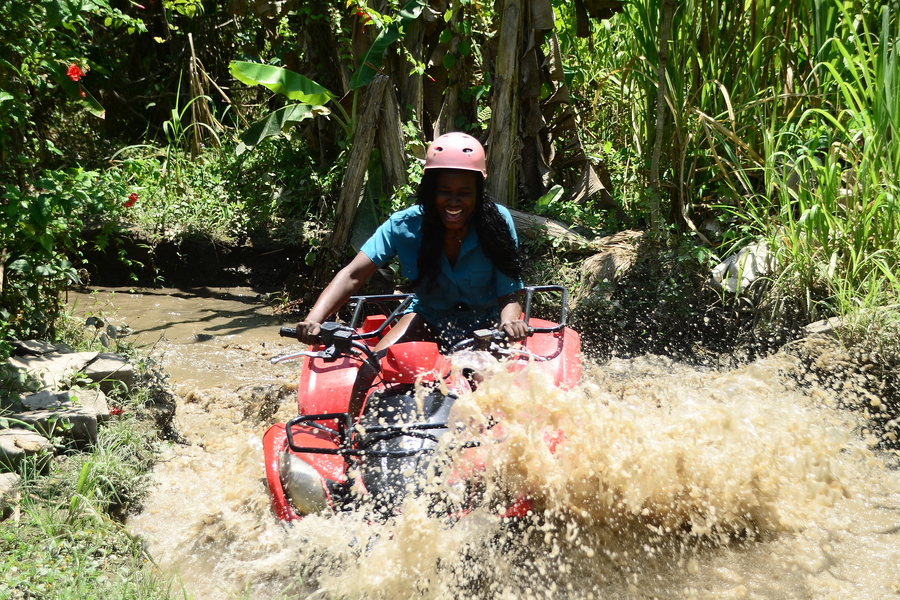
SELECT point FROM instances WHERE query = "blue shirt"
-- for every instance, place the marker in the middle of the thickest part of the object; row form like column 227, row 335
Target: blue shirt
column 472, row 283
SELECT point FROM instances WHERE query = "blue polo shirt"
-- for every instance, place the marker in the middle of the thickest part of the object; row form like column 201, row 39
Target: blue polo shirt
column 473, row 284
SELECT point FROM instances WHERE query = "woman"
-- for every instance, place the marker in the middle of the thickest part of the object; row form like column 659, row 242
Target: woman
column 456, row 245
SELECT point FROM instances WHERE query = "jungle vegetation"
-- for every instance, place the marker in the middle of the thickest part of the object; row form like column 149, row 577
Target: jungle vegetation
column 710, row 125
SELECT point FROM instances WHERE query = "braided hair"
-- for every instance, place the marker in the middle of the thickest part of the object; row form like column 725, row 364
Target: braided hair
column 493, row 233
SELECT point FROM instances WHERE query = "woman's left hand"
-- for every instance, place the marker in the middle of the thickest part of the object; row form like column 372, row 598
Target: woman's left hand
column 515, row 330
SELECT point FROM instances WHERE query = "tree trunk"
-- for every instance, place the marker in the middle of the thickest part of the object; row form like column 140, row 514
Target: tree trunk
column 391, row 144
column 503, row 140
column 535, row 227
column 411, row 94
column 354, row 178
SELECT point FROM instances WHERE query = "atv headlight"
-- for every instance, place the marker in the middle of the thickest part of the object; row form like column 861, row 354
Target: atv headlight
column 302, row 484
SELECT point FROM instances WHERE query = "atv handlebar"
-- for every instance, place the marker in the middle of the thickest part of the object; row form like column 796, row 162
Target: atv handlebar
column 341, row 340
column 338, row 340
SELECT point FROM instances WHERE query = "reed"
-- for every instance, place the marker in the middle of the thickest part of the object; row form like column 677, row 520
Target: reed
column 843, row 215
column 781, row 123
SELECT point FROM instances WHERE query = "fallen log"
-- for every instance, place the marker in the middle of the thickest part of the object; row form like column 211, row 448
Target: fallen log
column 534, row 227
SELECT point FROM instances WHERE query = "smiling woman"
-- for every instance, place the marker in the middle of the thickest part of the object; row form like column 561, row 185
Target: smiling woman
column 457, row 247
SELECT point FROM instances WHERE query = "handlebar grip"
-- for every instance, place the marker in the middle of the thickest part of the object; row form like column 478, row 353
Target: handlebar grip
column 290, row 332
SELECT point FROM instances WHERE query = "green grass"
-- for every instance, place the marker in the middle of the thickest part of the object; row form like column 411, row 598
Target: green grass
column 782, row 123
column 44, row 559
column 66, row 538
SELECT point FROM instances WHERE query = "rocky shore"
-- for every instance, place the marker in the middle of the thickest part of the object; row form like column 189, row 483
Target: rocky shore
column 55, row 399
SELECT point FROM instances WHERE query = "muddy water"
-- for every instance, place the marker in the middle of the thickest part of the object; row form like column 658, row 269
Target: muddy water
column 668, row 482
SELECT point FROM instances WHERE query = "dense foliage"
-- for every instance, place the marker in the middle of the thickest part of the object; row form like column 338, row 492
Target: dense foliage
column 773, row 120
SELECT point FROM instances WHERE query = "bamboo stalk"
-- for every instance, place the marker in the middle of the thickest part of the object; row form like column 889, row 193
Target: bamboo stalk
column 667, row 8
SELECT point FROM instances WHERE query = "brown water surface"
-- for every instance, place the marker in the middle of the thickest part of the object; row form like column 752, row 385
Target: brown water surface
column 670, row 481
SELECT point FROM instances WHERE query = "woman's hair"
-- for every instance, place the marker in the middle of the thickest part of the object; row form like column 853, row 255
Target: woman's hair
column 493, row 233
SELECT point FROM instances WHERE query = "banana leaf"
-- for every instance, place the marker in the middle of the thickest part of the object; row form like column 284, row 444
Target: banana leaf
column 276, row 122
column 281, row 81
column 371, row 62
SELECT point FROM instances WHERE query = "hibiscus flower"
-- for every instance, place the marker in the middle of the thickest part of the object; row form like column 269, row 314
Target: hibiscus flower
column 74, row 72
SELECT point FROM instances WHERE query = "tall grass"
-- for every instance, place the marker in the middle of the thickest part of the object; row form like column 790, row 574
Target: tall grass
column 781, row 123
column 838, row 230
column 66, row 540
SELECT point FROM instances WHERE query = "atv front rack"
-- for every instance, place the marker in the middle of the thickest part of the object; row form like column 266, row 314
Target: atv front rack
column 373, row 435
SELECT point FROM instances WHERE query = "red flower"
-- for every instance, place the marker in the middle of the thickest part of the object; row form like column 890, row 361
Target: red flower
column 363, row 16
column 115, row 411
column 132, row 198
column 74, row 72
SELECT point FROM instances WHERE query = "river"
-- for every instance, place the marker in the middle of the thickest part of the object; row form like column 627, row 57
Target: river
column 671, row 481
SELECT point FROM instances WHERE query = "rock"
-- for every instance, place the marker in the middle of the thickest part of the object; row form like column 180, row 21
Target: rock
column 9, row 486
column 53, row 369
column 738, row 271
column 93, row 400
column 71, row 414
column 616, row 257
column 825, row 327
column 16, row 444
column 109, row 368
column 38, row 347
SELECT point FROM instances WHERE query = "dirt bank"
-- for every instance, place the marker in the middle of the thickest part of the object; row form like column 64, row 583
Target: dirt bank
column 261, row 261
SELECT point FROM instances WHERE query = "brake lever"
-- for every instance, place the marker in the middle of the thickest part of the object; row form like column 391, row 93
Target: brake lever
column 277, row 359
column 520, row 351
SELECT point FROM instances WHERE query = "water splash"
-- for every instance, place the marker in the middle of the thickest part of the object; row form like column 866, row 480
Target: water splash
column 666, row 481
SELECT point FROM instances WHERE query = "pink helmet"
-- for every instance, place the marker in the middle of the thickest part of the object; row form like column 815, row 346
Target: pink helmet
column 456, row 150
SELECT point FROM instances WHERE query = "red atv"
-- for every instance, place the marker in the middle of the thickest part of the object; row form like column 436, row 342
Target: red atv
column 325, row 460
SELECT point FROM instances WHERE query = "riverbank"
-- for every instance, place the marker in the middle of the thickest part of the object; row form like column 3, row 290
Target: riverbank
column 80, row 468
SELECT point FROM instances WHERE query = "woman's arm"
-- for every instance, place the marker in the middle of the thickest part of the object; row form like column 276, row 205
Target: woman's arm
column 511, row 317
column 346, row 283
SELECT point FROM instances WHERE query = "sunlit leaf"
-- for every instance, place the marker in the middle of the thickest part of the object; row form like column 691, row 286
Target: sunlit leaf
column 281, row 81
column 553, row 195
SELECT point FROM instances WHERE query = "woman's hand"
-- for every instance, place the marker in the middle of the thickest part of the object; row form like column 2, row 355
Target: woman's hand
column 515, row 331
column 308, row 332
column 511, row 322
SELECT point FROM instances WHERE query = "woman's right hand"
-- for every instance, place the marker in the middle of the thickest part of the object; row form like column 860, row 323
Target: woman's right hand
column 308, row 332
